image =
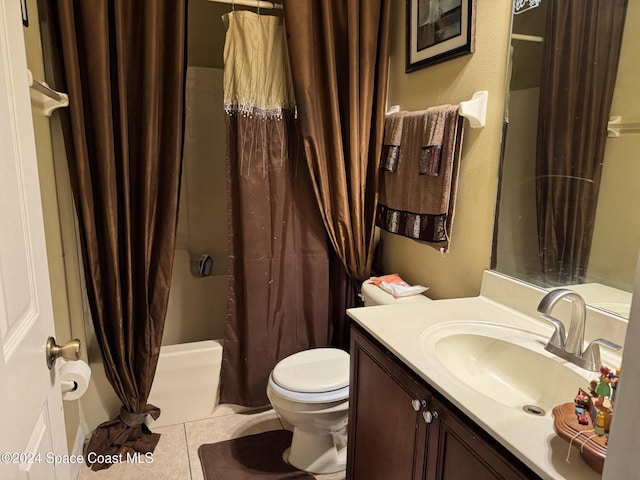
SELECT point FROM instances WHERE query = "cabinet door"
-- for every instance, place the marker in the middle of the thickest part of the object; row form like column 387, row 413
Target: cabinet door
column 387, row 434
column 457, row 452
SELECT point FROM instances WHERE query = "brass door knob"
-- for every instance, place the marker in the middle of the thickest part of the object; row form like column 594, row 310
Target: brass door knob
column 68, row 351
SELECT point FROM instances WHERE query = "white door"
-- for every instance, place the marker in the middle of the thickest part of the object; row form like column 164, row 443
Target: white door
column 31, row 419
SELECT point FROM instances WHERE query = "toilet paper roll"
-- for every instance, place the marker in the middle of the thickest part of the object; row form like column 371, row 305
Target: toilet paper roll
column 77, row 372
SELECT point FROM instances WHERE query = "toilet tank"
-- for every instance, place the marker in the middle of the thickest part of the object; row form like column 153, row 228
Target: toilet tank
column 373, row 295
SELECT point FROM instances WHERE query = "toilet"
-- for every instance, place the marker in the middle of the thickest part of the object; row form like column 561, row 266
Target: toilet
column 310, row 391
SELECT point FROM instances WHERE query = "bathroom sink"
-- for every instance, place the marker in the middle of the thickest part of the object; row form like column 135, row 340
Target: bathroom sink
column 506, row 364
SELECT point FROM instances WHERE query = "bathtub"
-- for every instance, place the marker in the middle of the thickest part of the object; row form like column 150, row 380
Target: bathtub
column 186, row 383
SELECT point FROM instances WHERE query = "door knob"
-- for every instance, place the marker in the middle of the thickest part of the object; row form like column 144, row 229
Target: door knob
column 418, row 404
column 69, row 351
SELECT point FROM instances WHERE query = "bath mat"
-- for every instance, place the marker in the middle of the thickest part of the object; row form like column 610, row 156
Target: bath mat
column 251, row 457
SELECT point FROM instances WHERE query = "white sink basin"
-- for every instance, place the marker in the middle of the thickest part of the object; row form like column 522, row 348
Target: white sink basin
column 506, row 364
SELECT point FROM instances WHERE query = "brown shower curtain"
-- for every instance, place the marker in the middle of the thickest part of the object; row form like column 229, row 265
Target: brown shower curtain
column 278, row 268
column 123, row 65
column 339, row 52
column 580, row 62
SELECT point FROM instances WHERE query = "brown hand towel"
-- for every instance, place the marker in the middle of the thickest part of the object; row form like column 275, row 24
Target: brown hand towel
column 435, row 122
column 391, row 142
column 418, row 200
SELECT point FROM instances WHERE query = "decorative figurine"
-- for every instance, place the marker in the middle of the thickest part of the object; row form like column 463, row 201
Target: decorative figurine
column 583, row 418
column 603, row 389
column 592, row 387
column 614, row 385
column 599, row 427
column 582, row 399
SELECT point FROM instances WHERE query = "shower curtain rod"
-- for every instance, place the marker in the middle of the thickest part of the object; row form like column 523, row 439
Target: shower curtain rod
column 251, row 3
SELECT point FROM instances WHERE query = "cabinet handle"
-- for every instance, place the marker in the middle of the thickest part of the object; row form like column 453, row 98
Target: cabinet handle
column 418, row 404
column 430, row 416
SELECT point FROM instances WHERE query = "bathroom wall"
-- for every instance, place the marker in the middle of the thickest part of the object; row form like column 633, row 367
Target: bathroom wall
column 206, row 33
column 458, row 273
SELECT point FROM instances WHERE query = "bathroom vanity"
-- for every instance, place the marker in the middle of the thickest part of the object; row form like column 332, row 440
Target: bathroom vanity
column 401, row 427
column 463, row 388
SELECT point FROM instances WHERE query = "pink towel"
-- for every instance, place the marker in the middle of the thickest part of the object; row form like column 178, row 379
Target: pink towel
column 397, row 287
column 392, row 278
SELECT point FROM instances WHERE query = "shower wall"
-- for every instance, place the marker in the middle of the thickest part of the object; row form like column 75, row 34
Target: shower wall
column 197, row 305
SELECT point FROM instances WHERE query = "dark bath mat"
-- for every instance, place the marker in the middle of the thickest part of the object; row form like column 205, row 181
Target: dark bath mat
column 251, row 457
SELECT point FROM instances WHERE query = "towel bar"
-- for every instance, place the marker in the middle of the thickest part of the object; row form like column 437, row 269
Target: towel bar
column 50, row 99
column 475, row 109
column 616, row 127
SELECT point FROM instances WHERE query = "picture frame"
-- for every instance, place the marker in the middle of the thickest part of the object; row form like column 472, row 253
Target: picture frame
column 438, row 30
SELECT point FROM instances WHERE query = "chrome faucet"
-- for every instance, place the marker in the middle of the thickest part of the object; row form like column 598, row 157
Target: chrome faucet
column 570, row 346
column 574, row 341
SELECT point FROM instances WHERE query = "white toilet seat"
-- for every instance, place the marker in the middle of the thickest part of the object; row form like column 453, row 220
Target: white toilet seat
column 318, row 375
column 316, row 370
column 306, row 397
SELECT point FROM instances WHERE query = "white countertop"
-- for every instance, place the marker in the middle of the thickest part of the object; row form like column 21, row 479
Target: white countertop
column 530, row 438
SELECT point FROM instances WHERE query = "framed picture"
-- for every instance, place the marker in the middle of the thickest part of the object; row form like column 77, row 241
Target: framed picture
column 438, row 30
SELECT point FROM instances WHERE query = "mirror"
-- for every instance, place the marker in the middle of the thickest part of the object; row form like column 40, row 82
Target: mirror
column 569, row 205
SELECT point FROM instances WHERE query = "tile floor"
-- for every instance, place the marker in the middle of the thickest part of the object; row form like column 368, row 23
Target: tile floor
column 176, row 456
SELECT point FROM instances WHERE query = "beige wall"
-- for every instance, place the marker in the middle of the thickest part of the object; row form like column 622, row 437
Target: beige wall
column 206, row 33
column 458, row 273
column 616, row 234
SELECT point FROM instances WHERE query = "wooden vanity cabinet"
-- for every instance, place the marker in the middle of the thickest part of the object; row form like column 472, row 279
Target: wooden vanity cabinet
column 387, row 436
column 399, row 428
